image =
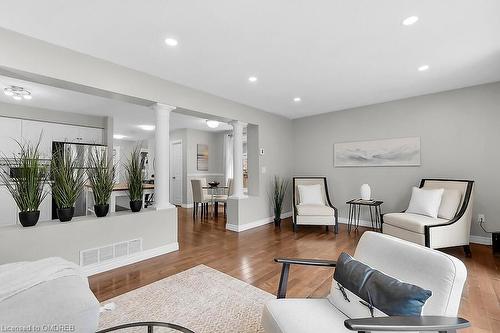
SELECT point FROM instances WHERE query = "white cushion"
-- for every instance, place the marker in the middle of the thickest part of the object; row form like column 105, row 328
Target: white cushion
column 436, row 271
column 449, row 203
column 310, row 194
column 314, row 210
column 425, row 201
column 292, row 315
column 411, row 222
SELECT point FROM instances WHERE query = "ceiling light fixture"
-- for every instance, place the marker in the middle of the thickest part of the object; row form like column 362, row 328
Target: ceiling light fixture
column 17, row 93
column 212, row 123
column 297, row 99
column 423, row 68
column 147, row 127
column 119, row 136
column 411, row 20
column 171, row 41
column 252, row 79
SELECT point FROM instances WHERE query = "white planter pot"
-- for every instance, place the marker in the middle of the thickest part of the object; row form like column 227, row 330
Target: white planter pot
column 366, row 192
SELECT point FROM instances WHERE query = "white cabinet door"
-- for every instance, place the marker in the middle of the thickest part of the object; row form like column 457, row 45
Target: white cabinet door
column 90, row 135
column 8, row 208
column 64, row 133
column 10, row 131
column 46, row 206
column 31, row 131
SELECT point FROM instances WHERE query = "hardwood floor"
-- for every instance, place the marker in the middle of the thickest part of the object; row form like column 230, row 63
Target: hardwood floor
column 248, row 256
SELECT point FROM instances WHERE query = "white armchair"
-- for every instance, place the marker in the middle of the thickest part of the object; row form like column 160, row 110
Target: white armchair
column 321, row 212
column 436, row 232
column 432, row 270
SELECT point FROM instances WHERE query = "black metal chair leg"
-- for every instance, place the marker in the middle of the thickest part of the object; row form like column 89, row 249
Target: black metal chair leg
column 283, row 281
column 194, row 209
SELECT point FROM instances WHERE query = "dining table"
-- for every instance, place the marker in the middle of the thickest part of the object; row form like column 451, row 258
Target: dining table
column 213, row 191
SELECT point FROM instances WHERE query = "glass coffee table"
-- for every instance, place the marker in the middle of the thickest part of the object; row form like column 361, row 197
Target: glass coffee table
column 149, row 327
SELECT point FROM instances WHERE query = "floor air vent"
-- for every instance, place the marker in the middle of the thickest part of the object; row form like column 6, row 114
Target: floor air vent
column 110, row 252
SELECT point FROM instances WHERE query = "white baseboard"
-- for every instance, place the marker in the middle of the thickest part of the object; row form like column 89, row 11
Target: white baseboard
column 480, row 240
column 362, row 223
column 255, row 224
column 184, row 205
column 119, row 262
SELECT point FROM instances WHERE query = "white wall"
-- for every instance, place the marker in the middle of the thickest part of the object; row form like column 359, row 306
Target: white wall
column 34, row 57
column 459, row 133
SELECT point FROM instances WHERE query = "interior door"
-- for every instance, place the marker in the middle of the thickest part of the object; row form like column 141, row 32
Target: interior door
column 176, row 173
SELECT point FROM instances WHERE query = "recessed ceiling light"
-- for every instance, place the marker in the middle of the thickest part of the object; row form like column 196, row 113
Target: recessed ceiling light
column 171, row 41
column 410, row 20
column 252, row 79
column 423, row 68
column 147, row 127
column 119, row 136
column 297, row 99
column 212, row 123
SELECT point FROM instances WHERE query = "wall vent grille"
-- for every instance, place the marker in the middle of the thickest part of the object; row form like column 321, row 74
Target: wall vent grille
column 109, row 252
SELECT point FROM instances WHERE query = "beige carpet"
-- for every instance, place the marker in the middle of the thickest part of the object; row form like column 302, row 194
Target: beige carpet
column 201, row 299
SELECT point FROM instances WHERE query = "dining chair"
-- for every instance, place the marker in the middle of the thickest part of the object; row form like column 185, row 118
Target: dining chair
column 199, row 197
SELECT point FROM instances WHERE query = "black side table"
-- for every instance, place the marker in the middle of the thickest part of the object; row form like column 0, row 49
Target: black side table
column 355, row 209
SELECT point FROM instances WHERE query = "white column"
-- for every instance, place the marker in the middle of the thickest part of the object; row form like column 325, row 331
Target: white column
column 162, row 156
column 237, row 159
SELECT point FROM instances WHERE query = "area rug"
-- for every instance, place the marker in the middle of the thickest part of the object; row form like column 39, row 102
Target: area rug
column 201, row 299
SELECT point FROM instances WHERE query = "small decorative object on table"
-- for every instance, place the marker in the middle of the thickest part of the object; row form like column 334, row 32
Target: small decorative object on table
column 135, row 179
column 355, row 210
column 279, row 190
column 366, row 192
column 213, row 184
column 27, row 187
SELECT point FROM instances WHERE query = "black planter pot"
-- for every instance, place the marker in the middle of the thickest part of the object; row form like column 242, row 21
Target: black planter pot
column 65, row 214
column 29, row 219
column 101, row 210
column 136, row 205
column 277, row 222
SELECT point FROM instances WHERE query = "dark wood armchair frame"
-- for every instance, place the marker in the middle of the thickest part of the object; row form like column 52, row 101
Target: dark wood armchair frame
column 365, row 325
column 328, row 201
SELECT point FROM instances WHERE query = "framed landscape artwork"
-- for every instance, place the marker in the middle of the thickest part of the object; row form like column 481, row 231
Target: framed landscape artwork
column 202, row 157
column 389, row 152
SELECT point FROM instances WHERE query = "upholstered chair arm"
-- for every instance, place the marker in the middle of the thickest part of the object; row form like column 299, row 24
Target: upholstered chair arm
column 286, row 269
column 395, row 323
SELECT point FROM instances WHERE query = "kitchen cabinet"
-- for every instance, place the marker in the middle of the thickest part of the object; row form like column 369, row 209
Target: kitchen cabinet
column 8, row 208
column 32, row 131
column 10, row 131
column 58, row 132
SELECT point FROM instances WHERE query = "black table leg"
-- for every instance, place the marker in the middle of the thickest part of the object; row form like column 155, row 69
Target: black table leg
column 371, row 216
column 349, row 221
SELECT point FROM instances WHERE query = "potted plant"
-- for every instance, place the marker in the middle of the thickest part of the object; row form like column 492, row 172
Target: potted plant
column 67, row 183
column 101, row 175
column 135, row 179
column 27, row 187
column 279, row 187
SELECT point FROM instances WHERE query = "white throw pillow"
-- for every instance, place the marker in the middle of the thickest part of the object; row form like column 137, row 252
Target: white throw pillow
column 449, row 204
column 425, row 201
column 310, row 195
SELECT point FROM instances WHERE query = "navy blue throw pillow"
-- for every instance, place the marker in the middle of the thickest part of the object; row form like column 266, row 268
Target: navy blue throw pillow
column 389, row 295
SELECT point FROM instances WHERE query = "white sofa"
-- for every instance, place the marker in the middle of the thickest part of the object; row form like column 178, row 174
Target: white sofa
column 444, row 275
column 435, row 232
column 313, row 214
column 46, row 303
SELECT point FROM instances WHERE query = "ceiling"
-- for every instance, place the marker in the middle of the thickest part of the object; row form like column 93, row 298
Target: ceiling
column 334, row 54
column 126, row 116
